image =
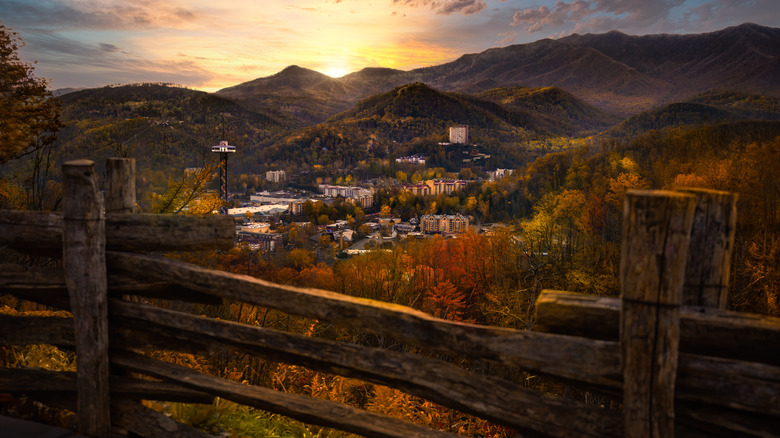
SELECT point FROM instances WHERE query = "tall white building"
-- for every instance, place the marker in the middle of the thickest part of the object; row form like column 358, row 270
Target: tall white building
column 459, row 134
column 276, row 175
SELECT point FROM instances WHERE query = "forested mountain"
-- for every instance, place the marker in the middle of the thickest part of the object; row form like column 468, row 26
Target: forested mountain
column 520, row 102
column 747, row 106
column 619, row 73
column 156, row 122
column 744, row 58
column 167, row 129
column 414, row 118
column 554, row 109
column 703, row 109
column 295, row 95
column 382, row 125
column 424, row 111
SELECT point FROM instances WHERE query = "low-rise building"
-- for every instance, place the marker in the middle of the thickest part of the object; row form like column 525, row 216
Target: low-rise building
column 280, row 197
column 358, row 195
column 388, row 221
column 412, row 159
column 500, row 173
column 265, row 242
column 270, row 209
column 445, row 186
column 419, row 189
column 293, row 202
column 443, row 223
column 404, row 228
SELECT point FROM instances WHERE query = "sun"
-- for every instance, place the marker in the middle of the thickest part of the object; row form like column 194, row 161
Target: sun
column 335, row 70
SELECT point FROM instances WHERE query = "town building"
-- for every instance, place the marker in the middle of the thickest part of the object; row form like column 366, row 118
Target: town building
column 358, row 195
column 388, row 221
column 435, row 187
column 365, row 200
column 412, row 159
column 500, row 173
column 404, row 228
column 276, row 176
column 419, row 189
column 295, row 208
column 279, row 197
column 443, row 223
column 459, row 134
column 292, row 201
column 268, row 209
column 265, row 242
column 445, row 186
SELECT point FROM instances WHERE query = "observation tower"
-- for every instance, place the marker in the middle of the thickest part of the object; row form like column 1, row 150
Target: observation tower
column 223, row 149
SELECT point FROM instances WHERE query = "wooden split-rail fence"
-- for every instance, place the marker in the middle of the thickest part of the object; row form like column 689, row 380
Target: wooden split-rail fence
column 678, row 362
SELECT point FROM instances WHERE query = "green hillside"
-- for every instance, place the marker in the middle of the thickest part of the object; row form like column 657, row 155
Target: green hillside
column 746, row 106
column 160, row 125
column 558, row 111
column 711, row 107
column 412, row 118
column 417, row 110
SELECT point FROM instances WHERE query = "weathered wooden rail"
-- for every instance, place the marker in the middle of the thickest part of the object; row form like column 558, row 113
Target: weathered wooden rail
column 680, row 369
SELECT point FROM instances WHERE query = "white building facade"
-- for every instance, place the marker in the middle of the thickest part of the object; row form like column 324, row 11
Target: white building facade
column 459, row 134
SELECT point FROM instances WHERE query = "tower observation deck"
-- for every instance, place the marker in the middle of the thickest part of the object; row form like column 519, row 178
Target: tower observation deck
column 223, row 149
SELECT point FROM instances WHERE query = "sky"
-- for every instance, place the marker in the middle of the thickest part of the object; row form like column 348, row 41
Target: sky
column 213, row 44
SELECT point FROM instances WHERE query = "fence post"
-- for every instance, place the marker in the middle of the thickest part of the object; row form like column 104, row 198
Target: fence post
column 656, row 232
column 84, row 262
column 708, row 268
column 120, row 185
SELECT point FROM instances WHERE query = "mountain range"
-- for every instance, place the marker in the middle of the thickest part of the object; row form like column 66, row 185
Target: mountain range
column 617, row 73
column 528, row 97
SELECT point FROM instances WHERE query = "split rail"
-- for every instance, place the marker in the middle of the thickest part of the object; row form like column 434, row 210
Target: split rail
column 667, row 349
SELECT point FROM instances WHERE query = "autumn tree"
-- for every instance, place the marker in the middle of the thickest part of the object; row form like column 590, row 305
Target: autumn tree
column 29, row 117
column 187, row 193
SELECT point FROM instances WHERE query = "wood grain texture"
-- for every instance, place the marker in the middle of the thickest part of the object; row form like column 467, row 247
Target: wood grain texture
column 567, row 357
column 136, row 418
column 47, row 286
column 505, row 403
column 656, row 232
column 165, row 232
column 120, row 185
column 33, row 382
column 703, row 330
column 41, row 232
column 735, row 384
column 27, row 330
column 303, row 408
column 708, row 267
column 84, row 263
column 32, row 232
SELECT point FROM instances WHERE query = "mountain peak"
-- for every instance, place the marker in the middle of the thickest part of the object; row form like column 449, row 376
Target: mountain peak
column 614, row 71
column 297, row 71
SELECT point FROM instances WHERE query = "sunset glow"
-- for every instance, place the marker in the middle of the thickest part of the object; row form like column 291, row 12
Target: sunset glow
column 207, row 45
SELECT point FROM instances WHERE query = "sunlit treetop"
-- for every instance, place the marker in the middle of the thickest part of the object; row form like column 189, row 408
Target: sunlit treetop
column 29, row 115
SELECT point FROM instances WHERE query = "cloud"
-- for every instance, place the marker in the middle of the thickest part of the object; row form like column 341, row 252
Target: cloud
column 78, row 64
column 508, row 37
column 63, row 14
column 108, row 47
column 447, row 7
column 598, row 15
